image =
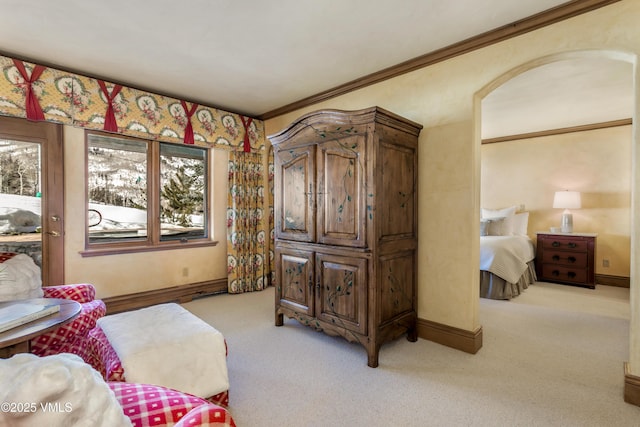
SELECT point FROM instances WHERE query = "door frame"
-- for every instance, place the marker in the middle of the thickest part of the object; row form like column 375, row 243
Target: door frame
column 49, row 136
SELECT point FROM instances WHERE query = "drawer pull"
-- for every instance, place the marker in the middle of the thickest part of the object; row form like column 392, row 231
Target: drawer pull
column 556, row 244
column 556, row 257
column 555, row 272
column 572, row 245
column 571, row 259
column 571, row 274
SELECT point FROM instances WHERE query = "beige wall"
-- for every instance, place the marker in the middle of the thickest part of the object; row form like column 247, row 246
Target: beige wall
column 445, row 99
column 129, row 273
column 597, row 163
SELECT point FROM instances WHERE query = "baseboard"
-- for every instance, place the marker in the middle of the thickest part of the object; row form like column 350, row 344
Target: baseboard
column 460, row 339
column 631, row 387
column 619, row 281
column 182, row 293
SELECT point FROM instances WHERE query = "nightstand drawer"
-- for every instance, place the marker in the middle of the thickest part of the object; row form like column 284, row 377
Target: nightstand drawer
column 566, row 244
column 575, row 259
column 564, row 274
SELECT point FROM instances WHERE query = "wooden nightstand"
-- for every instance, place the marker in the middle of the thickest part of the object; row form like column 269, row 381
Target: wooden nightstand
column 567, row 258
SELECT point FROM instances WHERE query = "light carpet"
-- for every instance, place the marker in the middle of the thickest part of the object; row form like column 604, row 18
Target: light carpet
column 553, row 356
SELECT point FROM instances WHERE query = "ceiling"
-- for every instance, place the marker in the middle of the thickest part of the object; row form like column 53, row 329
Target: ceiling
column 253, row 57
column 563, row 94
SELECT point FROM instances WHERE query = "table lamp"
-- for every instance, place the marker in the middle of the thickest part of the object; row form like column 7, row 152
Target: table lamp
column 567, row 200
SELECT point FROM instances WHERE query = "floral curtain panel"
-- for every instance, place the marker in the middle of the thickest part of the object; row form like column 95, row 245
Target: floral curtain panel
column 248, row 258
column 272, row 229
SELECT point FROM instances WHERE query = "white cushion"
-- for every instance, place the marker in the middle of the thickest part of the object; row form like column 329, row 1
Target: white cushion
column 20, row 278
column 167, row 345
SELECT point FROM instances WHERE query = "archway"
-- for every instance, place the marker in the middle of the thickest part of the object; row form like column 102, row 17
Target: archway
column 634, row 347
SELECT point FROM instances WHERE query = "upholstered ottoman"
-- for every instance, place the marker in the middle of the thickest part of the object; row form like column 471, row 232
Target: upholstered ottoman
column 164, row 345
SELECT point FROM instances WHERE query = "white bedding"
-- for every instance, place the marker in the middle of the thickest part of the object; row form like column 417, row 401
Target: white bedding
column 167, row 345
column 506, row 256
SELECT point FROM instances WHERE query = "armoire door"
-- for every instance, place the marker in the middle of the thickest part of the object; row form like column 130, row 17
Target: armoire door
column 341, row 210
column 341, row 291
column 294, row 279
column 295, row 194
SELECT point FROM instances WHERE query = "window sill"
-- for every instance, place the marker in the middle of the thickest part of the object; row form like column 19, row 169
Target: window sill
column 113, row 250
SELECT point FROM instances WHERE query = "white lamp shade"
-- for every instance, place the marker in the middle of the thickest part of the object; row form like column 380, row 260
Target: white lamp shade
column 567, row 200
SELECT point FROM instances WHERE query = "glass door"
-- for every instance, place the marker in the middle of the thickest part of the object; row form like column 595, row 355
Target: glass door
column 31, row 194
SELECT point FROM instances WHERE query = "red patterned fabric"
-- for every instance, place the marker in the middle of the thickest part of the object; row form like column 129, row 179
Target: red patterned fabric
column 246, row 122
column 110, row 122
column 188, row 130
column 32, row 105
column 4, row 256
column 150, row 405
column 220, row 399
column 72, row 336
column 104, row 359
column 81, row 292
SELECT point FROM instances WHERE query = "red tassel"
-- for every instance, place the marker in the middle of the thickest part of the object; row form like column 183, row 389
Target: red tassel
column 188, row 129
column 110, row 122
column 32, row 105
column 246, row 121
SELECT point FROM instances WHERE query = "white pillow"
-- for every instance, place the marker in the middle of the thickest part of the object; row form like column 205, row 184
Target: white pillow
column 506, row 213
column 521, row 224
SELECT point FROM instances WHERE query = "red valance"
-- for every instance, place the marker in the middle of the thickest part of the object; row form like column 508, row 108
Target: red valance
column 32, row 106
column 188, row 130
column 110, row 123
column 246, row 121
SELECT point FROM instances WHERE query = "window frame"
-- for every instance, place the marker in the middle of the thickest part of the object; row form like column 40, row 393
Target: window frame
column 153, row 241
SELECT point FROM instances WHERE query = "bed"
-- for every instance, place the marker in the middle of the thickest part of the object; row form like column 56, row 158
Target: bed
column 507, row 254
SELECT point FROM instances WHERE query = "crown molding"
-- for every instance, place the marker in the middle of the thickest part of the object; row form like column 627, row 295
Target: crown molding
column 534, row 22
column 559, row 131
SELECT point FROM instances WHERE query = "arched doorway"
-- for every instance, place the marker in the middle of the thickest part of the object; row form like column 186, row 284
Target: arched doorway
column 634, row 360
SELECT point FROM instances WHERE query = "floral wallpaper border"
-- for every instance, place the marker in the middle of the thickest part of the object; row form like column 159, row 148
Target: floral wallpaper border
column 81, row 101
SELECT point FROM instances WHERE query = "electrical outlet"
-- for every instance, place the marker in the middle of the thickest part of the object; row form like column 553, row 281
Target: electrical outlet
column 605, row 263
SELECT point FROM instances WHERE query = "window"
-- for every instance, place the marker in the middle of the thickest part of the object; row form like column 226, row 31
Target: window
column 145, row 195
column 20, row 203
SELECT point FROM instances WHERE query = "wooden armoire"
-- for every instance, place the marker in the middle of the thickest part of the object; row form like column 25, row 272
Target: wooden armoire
column 346, row 225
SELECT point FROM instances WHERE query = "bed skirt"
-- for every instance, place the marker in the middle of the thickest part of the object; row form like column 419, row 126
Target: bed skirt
column 494, row 287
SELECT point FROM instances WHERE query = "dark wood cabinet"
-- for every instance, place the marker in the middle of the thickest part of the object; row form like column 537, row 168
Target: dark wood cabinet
column 567, row 258
column 346, row 225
